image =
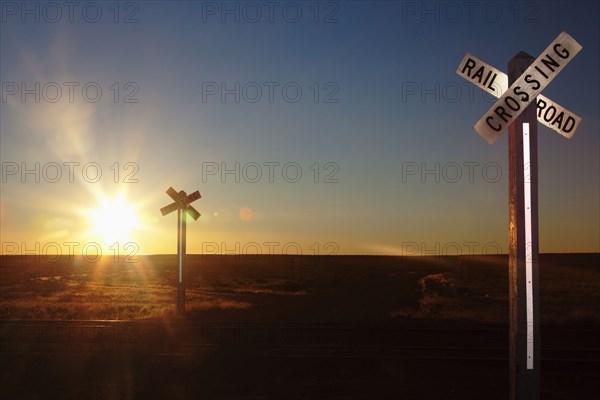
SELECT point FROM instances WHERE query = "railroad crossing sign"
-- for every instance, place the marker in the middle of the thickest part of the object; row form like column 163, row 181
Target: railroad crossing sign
column 181, row 202
column 524, row 89
column 495, row 82
column 527, row 86
column 514, row 110
column 182, row 205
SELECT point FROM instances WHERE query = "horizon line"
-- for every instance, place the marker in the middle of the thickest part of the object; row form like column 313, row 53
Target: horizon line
column 53, row 256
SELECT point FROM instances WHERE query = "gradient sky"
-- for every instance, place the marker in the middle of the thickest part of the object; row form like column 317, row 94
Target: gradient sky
column 365, row 56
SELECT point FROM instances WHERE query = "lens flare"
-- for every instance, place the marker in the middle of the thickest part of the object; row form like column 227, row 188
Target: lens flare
column 113, row 220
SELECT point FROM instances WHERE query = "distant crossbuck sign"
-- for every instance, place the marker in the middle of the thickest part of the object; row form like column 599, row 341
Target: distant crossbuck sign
column 514, row 100
column 182, row 202
column 182, row 205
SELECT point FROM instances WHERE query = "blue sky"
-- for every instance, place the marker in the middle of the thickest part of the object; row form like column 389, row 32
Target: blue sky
column 364, row 128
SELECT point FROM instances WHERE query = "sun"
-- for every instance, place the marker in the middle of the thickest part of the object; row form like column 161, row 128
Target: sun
column 113, row 220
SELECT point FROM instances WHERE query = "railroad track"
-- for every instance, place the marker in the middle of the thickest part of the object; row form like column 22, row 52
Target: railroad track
column 421, row 340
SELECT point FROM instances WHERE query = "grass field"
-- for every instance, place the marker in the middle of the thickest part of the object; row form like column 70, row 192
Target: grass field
column 339, row 288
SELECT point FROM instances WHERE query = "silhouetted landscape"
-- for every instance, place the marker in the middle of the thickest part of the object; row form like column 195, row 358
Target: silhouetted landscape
column 289, row 327
column 283, row 288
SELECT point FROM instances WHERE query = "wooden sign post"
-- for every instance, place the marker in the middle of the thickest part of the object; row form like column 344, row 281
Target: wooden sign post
column 182, row 205
column 518, row 110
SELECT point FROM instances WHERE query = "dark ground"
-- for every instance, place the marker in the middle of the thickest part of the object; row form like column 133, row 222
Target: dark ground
column 332, row 328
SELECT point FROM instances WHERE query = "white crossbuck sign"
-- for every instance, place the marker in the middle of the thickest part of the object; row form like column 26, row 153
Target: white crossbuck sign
column 513, row 100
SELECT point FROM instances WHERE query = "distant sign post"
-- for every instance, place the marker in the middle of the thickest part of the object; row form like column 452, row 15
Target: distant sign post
column 518, row 110
column 182, row 205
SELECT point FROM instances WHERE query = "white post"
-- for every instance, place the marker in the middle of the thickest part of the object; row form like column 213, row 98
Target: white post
column 528, row 243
